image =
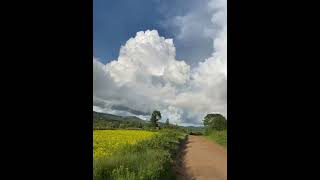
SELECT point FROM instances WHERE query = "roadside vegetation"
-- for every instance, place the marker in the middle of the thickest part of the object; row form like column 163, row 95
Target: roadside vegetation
column 148, row 159
column 218, row 136
column 216, row 128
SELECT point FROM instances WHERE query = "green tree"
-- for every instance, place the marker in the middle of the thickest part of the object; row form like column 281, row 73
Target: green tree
column 167, row 122
column 215, row 122
column 155, row 117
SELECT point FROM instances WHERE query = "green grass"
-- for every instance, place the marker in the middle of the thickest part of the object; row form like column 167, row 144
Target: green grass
column 148, row 159
column 146, row 164
column 218, row 136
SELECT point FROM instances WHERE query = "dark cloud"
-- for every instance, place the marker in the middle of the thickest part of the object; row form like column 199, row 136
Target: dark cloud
column 127, row 109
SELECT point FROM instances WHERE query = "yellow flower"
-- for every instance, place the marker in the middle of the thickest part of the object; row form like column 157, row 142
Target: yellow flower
column 106, row 142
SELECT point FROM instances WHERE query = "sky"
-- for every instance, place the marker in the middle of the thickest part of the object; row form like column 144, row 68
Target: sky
column 166, row 55
column 114, row 22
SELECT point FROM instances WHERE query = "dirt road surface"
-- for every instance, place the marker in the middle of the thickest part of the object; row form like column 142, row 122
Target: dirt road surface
column 201, row 159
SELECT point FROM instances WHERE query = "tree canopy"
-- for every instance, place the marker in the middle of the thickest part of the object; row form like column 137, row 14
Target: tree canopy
column 155, row 117
column 215, row 122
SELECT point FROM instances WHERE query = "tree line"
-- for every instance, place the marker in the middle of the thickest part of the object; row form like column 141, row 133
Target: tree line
column 211, row 122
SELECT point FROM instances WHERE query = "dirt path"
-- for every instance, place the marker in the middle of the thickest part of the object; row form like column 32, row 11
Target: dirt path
column 202, row 159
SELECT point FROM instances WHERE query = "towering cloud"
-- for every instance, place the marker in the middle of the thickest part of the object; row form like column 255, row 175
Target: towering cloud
column 147, row 76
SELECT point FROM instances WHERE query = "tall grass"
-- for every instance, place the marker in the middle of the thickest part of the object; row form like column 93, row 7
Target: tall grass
column 149, row 159
column 218, row 136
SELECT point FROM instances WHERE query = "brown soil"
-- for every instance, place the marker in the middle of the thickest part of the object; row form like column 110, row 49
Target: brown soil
column 201, row 159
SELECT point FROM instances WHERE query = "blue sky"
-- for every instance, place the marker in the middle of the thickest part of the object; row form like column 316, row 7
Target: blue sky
column 114, row 22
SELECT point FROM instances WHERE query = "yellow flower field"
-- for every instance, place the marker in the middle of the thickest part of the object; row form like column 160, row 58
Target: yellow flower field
column 106, row 142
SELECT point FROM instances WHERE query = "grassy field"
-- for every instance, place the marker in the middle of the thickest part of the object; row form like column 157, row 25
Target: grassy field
column 106, row 142
column 219, row 136
column 133, row 155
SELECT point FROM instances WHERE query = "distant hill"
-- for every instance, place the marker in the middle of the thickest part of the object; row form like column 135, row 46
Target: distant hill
column 111, row 117
column 194, row 129
column 103, row 120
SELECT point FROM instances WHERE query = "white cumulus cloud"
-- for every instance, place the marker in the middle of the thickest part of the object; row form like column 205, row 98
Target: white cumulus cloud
column 147, row 76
